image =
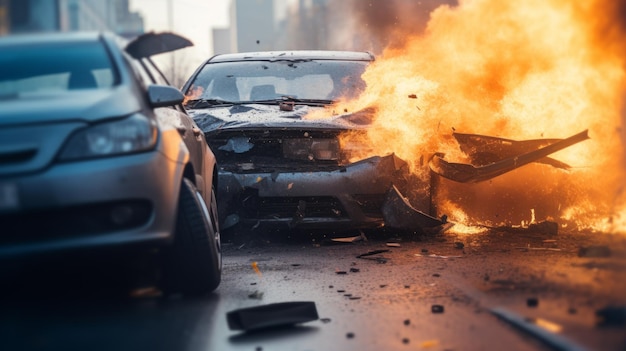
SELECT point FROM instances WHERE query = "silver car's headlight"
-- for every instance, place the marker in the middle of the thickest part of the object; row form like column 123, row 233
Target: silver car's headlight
column 132, row 134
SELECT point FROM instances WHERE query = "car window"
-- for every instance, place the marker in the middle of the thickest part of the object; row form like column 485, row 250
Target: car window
column 43, row 67
column 154, row 72
column 140, row 71
column 262, row 80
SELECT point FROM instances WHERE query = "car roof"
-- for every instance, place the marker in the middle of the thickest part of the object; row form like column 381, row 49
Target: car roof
column 59, row 37
column 144, row 45
column 294, row 56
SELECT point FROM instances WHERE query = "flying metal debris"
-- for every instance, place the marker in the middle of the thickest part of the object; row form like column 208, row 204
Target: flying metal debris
column 496, row 156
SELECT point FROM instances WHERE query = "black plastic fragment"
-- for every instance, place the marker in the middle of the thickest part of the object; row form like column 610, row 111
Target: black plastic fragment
column 272, row 315
column 371, row 253
column 612, row 316
column 437, row 308
column 594, row 251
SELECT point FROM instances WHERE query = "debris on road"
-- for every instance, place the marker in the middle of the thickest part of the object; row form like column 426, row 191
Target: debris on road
column 379, row 259
column 436, row 308
column 543, row 227
column 341, row 272
column 354, row 270
column 256, row 295
column 529, row 325
column 532, row 302
column 612, row 316
column 528, row 248
column 407, row 321
column 350, row 239
column 272, row 315
column 594, row 251
column 437, row 256
column 371, row 253
column 392, row 244
column 350, row 335
column 325, row 320
column 459, row 245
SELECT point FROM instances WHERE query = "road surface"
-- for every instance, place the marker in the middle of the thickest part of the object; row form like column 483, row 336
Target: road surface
column 378, row 302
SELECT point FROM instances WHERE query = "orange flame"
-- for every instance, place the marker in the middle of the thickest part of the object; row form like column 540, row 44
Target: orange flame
column 195, row 92
column 519, row 70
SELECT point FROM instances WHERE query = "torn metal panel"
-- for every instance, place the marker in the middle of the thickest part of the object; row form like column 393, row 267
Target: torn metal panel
column 398, row 213
column 484, row 150
column 467, row 173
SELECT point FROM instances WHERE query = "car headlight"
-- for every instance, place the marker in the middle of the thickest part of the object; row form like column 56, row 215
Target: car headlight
column 133, row 134
column 311, row 149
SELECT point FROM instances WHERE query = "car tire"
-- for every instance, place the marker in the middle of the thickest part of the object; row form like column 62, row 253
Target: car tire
column 193, row 264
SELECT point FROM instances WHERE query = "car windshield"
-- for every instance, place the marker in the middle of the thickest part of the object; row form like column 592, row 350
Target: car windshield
column 325, row 80
column 51, row 67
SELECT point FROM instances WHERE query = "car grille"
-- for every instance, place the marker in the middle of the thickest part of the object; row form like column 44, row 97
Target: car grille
column 267, row 152
column 290, row 207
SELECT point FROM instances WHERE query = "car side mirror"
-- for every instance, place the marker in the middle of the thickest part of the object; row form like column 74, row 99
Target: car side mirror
column 163, row 96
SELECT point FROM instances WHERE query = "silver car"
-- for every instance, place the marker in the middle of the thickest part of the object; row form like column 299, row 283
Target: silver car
column 97, row 152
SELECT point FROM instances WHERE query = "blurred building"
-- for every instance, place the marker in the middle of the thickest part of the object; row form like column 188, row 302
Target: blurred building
column 24, row 16
column 222, row 41
column 257, row 25
column 252, row 25
column 4, row 17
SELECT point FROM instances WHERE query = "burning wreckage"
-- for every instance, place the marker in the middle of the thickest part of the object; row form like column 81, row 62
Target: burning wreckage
column 277, row 167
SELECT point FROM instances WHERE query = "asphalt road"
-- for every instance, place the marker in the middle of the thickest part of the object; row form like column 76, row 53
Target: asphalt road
column 378, row 302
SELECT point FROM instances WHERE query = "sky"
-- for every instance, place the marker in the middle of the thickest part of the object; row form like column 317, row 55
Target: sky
column 193, row 19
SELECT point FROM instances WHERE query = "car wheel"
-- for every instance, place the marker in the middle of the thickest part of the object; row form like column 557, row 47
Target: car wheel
column 193, row 264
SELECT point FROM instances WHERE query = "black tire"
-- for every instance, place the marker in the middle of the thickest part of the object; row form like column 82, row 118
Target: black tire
column 193, row 264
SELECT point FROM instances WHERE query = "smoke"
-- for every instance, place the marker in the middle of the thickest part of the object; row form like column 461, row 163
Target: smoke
column 380, row 24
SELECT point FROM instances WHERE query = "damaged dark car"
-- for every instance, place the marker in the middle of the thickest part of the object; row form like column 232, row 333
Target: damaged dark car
column 277, row 167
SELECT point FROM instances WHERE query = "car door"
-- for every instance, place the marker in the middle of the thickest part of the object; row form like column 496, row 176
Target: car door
column 141, row 49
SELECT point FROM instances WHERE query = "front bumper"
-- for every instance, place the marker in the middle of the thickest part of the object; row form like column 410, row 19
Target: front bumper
column 350, row 197
column 104, row 202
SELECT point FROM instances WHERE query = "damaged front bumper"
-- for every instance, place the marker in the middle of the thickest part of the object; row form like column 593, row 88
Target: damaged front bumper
column 349, row 197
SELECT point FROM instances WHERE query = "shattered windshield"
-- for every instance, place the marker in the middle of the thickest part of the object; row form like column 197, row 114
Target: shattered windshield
column 268, row 80
column 49, row 67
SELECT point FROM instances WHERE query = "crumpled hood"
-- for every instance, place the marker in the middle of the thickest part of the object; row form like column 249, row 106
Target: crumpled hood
column 259, row 116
